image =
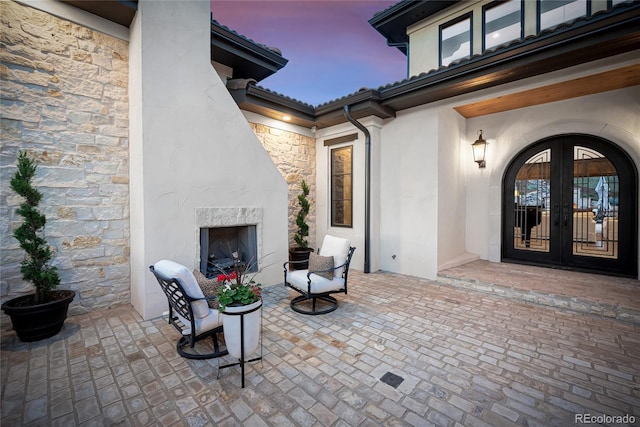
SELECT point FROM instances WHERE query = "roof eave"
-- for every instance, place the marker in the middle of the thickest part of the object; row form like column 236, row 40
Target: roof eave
column 594, row 38
column 556, row 51
column 247, row 58
column 270, row 104
column 363, row 104
column 392, row 23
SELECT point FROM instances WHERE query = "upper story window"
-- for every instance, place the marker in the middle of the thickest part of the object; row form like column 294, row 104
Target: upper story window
column 342, row 187
column 554, row 12
column 455, row 40
column 502, row 22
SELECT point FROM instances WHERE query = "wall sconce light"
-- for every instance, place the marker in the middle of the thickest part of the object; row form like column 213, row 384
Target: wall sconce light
column 479, row 150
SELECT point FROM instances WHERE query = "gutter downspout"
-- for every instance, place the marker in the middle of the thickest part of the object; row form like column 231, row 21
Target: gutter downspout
column 367, row 186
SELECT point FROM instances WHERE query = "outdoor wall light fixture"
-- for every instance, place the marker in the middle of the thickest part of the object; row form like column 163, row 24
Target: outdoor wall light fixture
column 480, row 150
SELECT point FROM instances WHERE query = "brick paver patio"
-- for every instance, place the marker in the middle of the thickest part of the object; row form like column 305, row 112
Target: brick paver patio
column 461, row 357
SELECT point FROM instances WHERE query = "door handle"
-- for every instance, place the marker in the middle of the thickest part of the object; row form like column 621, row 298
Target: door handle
column 556, row 215
column 566, row 215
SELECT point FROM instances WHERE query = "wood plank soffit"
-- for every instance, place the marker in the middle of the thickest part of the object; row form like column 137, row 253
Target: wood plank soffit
column 582, row 86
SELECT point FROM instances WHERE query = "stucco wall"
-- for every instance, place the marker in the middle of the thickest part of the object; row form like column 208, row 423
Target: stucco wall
column 192, row 149
column 409, row 193
column 64, row 90
column 453, row 159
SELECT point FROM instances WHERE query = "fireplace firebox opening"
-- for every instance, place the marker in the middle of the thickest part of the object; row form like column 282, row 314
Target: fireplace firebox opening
column 218, row 245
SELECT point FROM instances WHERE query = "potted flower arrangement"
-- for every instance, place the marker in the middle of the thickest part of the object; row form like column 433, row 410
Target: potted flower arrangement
column 299, row 255
column 240, row 302
column 42, row 314
column 235, row 292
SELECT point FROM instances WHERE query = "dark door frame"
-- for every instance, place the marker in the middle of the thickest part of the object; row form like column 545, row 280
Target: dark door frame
column 558, row 257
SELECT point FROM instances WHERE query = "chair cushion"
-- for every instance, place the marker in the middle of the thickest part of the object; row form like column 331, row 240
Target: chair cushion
column 209, row 288
column 298, row 279
column 203, row 324
column 319, row 262
column 173, row 270
column 338, row 248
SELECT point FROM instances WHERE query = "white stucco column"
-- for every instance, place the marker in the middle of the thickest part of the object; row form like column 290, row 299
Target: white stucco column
column 191, row 149
column 374, row 126
column 409, row 194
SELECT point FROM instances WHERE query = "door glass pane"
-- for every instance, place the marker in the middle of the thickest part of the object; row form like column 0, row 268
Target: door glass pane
column 532, row 214
column 596, row 192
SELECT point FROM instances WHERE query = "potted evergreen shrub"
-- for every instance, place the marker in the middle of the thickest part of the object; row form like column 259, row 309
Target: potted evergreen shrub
column 299, row 255
column 41, row 314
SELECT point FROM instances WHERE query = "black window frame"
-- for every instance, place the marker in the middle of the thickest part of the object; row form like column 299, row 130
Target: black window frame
column 469, row 16
column 491, row 5
column 610, row 3
column 333, row 201
column 539, row 15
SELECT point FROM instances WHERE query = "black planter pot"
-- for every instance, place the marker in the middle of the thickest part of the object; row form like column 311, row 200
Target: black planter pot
column 299, row 254
column 37, row 322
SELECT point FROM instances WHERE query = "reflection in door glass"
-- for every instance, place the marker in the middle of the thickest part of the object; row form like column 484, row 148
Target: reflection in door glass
column 532, row 203
column 595, row 204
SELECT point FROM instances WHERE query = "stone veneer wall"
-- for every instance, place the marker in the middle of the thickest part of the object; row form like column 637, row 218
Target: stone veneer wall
column 64, row 100
column 295, row 157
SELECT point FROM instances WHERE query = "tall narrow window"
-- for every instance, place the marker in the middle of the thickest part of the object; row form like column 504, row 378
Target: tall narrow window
column 342, row 187
column 455, row 40
column 554, row 12
column 502, row 22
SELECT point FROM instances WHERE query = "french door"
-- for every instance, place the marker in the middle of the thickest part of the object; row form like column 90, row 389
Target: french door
column 571, row 201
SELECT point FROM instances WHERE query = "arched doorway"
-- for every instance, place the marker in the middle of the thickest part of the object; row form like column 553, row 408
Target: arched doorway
column 570, row 201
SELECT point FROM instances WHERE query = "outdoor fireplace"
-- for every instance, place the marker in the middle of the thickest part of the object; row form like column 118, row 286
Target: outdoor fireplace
column 220, row 247
column 222, row 231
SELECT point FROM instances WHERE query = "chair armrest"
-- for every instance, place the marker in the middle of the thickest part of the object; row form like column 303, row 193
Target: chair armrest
column 343, row 265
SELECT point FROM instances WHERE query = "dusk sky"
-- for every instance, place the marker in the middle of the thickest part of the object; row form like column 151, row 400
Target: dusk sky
column 331, row 48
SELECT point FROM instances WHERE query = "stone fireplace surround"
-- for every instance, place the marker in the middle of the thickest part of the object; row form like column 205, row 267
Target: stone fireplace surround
column 211, row 217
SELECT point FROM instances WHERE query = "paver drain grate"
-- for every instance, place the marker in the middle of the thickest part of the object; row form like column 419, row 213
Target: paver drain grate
column 391, row 379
